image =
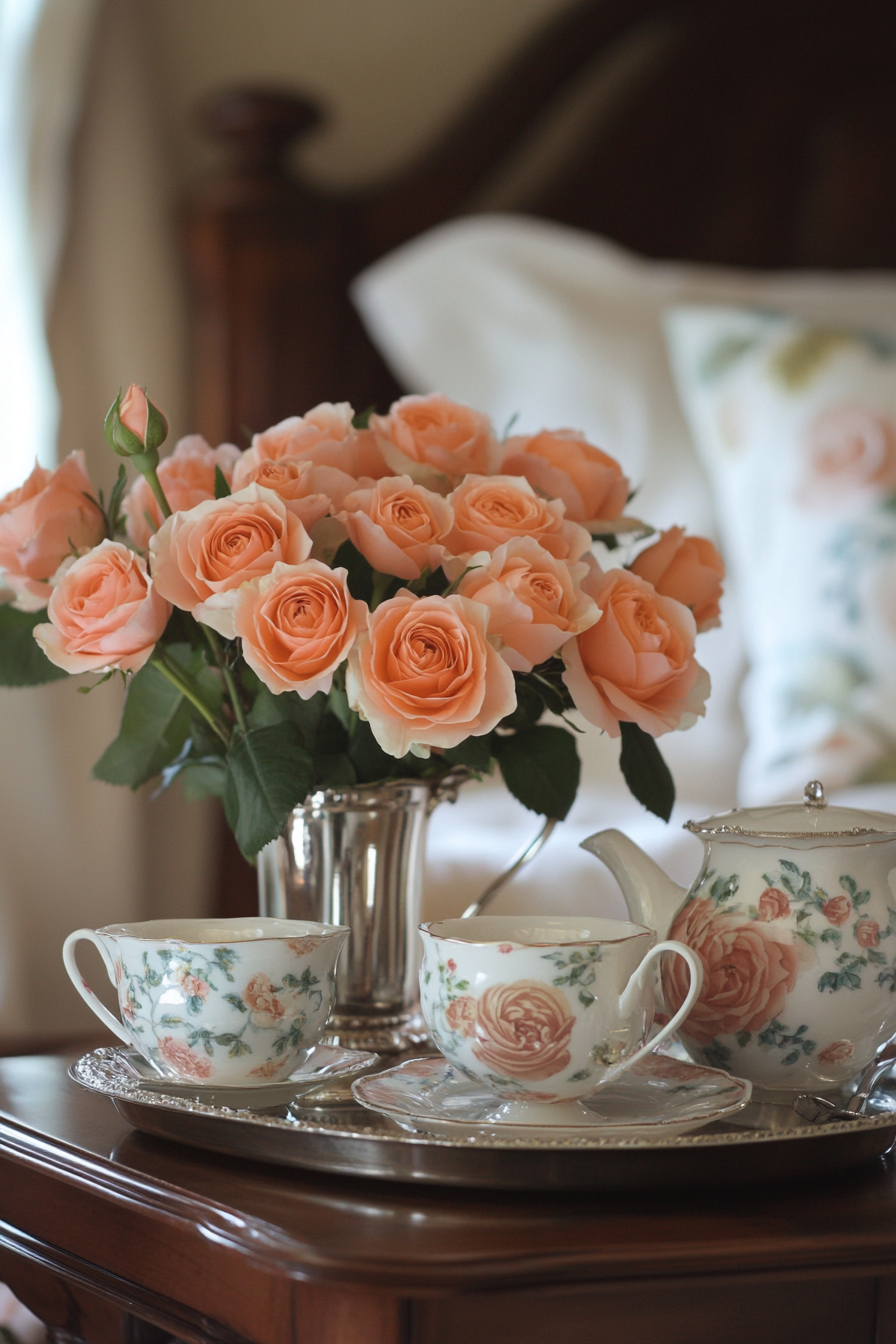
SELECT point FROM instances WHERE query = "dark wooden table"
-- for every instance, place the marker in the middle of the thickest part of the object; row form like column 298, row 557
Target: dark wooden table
column 109, row 1235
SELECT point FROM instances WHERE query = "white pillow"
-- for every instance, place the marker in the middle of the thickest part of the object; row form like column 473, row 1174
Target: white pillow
column 520, row 317
column 796, row 424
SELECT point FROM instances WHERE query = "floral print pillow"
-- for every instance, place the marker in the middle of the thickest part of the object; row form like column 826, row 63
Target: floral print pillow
column 796, row 426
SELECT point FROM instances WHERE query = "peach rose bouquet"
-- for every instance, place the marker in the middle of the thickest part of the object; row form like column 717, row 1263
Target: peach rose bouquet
column 355, row 599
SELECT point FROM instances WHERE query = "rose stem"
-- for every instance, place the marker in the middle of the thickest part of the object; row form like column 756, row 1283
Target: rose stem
column 218, row 654
column 181, row 681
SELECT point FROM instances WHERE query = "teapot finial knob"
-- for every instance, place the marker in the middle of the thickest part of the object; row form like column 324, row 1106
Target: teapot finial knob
column 813, row 794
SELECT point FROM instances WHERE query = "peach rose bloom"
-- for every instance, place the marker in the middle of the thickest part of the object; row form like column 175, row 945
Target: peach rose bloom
column 523, row 1030
column 398, row 526
column 429, row 436
column 773, row 904
column 183, row 1060
column 489, row 510
column 689, row 569
column 40, row 522
column 104, row 613
column 325, row 436
column 534, row 603
column 297, row 625
column 748, row 971
column 201, row 557
column 425, row 675
column 563, row 464
column 187, row 477
column 850, row 452
column 309, row 491
column 636, row 665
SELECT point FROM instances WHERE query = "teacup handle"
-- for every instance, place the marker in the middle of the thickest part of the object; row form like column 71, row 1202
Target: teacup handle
column 695, row 965
column 81, row 985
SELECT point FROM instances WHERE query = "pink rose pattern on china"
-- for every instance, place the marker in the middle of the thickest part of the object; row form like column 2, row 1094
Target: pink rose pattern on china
column 261, row 996
column 748, row 971
column 837, row 910
column 836, row 1052
column 867, row 932
column 752, row 959
column 461, row 1015
column 183, row 1060
column 303, row 947
column 523, row 1030
column 773, row 904
column 265, row 1016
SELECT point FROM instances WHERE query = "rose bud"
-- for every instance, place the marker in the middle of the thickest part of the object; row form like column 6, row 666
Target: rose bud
column 135, row 428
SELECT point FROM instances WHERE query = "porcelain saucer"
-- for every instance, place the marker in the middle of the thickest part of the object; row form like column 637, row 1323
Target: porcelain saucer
column 659, row 1097
column 317, row 1064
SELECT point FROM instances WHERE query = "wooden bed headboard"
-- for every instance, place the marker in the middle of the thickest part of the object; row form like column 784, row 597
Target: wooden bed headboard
column 763, row 134
column 758, row 134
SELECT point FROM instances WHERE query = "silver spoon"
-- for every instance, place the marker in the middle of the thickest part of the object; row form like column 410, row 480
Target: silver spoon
column 818, row 1109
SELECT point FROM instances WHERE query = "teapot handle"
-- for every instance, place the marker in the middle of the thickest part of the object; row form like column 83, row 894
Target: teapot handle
column 526, row 855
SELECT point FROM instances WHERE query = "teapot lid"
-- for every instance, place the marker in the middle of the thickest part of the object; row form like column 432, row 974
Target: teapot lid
column 793, row 821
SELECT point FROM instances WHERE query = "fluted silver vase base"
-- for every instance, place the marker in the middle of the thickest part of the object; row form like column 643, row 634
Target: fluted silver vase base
column 384, row 1035
column 355, row 856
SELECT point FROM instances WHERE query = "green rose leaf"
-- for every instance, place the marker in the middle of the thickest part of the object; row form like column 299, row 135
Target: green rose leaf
column 541, row 768
column 334, row 771
column 269, row 773
column 156, row 721
column 22, row 660
column 269, row 709
column 475, row 753
column 206, row 778
column 155, row 725
column 645, row 772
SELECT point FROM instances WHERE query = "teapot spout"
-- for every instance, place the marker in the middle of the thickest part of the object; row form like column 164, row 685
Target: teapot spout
column 651, row 896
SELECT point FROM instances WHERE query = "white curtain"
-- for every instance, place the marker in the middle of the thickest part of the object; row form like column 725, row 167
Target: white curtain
column 42, row 51
column 88, row 243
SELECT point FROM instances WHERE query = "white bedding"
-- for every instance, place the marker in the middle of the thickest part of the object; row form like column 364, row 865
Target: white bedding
column 519, row 317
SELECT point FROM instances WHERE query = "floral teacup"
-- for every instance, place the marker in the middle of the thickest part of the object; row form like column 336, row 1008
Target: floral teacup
column 544, row 1009
column 227, row 1001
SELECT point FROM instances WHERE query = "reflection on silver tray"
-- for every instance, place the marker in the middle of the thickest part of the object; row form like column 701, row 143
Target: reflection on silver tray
column 313, row 1067
column 348, row 1140
column 658, row 1098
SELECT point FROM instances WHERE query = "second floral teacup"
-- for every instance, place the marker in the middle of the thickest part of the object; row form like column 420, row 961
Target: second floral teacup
column 227, row 1001
column 544, row 1010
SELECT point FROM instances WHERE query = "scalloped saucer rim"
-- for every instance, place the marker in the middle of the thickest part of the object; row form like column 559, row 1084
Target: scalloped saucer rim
column 319, row 1064
column 429, row 1096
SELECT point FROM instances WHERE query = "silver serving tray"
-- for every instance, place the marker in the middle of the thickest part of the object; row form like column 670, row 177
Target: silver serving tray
column 326, row 1130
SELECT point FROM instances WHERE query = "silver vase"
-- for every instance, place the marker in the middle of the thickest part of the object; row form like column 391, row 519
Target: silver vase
column 356, row 856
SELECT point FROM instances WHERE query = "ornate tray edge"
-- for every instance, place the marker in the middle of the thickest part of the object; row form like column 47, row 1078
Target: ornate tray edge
column 99, row 1071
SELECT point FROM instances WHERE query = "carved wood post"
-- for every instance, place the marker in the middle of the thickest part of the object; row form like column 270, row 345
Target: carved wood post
column 270, row 261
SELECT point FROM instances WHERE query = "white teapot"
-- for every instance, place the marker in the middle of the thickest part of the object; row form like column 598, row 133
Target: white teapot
column 793, row 915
